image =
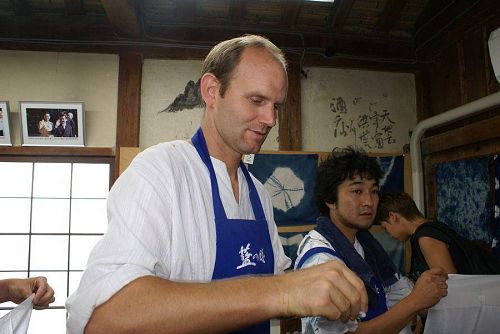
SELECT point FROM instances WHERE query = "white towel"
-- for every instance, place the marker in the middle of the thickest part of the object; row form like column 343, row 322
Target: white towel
column 17, row 320
column 472, row 306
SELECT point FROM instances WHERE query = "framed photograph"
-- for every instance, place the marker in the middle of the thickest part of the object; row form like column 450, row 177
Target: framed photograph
column 5, row 138
column 52, row 123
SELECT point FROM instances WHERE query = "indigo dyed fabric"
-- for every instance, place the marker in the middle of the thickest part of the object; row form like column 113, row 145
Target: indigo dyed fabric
column 496, row 228
column 393, row 247
column 289, row 179
column 463, row 199
column 291, row 242
column 392, row 174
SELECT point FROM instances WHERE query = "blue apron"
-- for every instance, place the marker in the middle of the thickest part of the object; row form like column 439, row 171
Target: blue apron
column 373, row 311
column 243, row 246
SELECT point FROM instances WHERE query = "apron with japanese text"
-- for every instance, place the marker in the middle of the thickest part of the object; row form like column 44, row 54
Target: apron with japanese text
column 243, row 246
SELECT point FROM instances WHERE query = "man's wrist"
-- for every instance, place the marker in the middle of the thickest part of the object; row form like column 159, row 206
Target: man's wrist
column 5, row 285
column 411, row 303
column 282, row 301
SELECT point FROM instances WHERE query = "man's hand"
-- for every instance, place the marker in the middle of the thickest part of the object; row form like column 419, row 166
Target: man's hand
column 429, row 289
column 329, row 290
column 20, row 289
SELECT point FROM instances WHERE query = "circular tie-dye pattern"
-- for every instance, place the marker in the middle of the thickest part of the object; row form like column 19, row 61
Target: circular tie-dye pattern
column 285, row 188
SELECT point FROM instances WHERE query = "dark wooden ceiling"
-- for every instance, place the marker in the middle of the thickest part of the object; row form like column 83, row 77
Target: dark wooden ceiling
column 381, row 30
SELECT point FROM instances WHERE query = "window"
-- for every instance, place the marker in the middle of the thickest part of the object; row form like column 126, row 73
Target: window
column 51, row 216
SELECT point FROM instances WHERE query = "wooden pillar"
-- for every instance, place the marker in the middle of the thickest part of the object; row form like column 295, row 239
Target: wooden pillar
column 129, row 100
column 290, row 122
column 129, row 104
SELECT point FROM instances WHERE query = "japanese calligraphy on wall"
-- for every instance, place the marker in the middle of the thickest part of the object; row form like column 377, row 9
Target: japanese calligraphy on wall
column 372, row 110
column 371, row 129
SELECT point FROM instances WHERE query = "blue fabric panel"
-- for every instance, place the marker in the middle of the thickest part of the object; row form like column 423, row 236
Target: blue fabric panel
column 289, row 179
column 394, row 248
column 291, row 242
column 463, row 198
column 392, row 174
column 392, row 181
column 496, row 229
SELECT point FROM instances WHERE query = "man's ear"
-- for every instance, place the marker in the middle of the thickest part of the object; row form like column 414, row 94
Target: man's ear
column 209, row 84
column 393, row 217
column 330, row 205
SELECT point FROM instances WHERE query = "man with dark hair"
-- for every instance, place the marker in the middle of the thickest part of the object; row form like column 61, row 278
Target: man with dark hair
column 191, row 245
column 63, row 129
column 434, row 244
column 346, row 194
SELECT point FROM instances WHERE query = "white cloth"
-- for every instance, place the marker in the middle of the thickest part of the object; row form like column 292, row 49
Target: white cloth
column 320, row 325
column 471, row 306
column 17, row 320
column 161, row 222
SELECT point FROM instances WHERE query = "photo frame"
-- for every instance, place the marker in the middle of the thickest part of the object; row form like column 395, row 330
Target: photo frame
column 52, row 123
column 5, row 136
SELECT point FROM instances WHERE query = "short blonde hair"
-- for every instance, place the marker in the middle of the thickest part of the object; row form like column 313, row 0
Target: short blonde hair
column 225, row 56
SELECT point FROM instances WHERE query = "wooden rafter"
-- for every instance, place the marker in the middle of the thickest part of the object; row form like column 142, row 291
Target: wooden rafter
column 431, row 9
column 22, row 7
column 439, row 19
column 123, row 17
column 186, row 9
column 340, row 14
column 390, row 15
column 353, row 45
column 236, row 10
column 74, row 7
column 290, row 12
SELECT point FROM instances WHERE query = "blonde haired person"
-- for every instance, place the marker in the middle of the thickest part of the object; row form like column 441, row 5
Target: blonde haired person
column 191, row 245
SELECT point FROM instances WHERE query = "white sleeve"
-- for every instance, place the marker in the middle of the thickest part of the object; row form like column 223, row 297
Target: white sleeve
column 397, row 291
column 132, row 246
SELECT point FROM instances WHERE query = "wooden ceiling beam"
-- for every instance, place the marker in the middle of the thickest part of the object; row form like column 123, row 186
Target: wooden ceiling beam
column 180, row 53
column 442, row 18
column 347, row 45
column 186, row 10
column 390, row 15
column 340, row 13
column 57, row 27
column 74, row 7
column 428, row 47
column 22, row 7
column 289, row 13
column 123, row 17
column 237, row 10
column 431, row 9
column 155, row 52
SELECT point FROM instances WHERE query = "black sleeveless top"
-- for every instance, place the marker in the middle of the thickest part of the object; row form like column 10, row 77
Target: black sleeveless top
column 467, row 256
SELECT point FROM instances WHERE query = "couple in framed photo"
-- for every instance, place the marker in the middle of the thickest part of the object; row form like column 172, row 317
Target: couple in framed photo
column 46, row 123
